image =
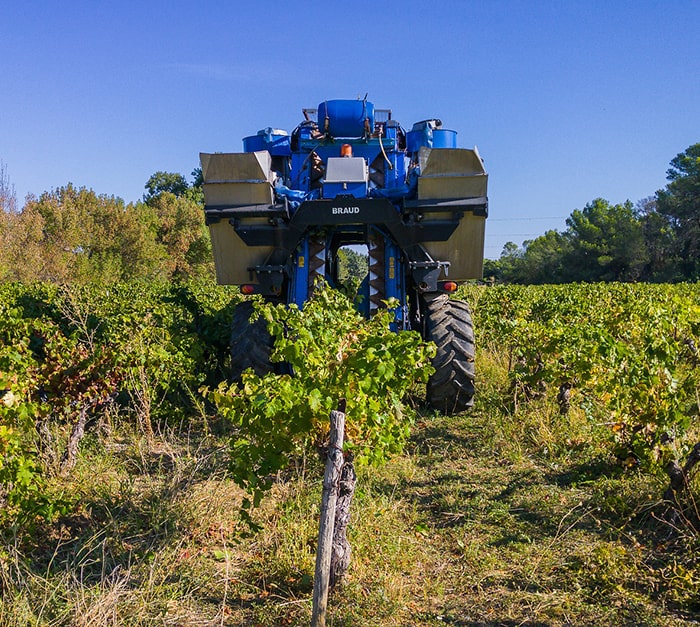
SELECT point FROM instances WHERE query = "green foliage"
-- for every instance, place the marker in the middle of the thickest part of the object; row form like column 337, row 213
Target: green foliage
column 628, row 351
column 22, row 497
column 484, row 517
column 680, row 203
column 606, row 243
column 72, row 235
column 67, row 353
column 657, row 241
column 179, row 233
column 175, row 184
column 166, row 339
column 352, row 269
column 335, row 355
column 162, row 182
column 603, row 242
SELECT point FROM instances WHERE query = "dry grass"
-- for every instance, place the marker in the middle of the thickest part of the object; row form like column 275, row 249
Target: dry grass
column 488, row 519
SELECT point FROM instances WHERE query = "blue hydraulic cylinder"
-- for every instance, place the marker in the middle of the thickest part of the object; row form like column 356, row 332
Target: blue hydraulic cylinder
column 394, row 282
column 299, row 285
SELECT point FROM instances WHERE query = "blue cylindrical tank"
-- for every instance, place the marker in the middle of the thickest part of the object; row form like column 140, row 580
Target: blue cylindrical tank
column 346, row 118
column 442, row 138
column 426, row 134
column 275, row 141
column 416, row 139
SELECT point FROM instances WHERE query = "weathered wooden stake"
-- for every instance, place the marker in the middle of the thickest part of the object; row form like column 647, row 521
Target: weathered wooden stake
column 331, row 480
column 342, row 551
column 70, row 455
column 678, row 487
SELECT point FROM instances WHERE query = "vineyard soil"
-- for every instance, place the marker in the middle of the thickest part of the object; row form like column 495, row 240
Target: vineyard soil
column 484, row 521
column 512, row 514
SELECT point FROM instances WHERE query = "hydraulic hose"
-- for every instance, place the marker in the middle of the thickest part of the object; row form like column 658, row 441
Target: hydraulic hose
column 379, row 136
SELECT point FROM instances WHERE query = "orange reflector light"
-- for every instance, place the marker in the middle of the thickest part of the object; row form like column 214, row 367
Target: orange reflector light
column 247, row 289
column 346, row 150
column 449, row 286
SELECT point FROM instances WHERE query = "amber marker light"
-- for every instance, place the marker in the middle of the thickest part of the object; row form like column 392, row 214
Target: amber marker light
column 449, row 286
column 346, row 150
column 247, row 289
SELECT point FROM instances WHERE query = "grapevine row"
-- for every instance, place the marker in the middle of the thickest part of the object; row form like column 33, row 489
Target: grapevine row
column 626, row 354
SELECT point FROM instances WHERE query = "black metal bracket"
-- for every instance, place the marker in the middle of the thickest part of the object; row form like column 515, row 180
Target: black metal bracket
column 426, row 274
column 271, row 278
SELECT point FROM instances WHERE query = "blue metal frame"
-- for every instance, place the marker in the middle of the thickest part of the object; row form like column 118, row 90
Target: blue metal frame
column 299, row 285
column 297, row 157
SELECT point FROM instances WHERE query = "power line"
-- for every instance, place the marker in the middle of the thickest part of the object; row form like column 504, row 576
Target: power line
column 514, row 234
column 537, row 218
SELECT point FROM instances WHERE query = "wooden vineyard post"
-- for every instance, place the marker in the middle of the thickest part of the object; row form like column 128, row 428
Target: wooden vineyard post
column 331, row 480
column 342, row 551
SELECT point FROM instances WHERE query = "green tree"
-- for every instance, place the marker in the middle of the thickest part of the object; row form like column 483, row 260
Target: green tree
column 679, row 202
column 660, row 241
column 352, row 269
column 509, row 261
column 198, row 177
column 73, row 235
column 180, row 231
column 54, row 234
column 606, row 243
column 539, row 261
column 603, row 242
column 543, row 260
column 492, row 270
column 161, row 182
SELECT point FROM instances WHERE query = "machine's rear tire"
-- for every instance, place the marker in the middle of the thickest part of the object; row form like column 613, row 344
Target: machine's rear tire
column 251, row 343
column 448, row 323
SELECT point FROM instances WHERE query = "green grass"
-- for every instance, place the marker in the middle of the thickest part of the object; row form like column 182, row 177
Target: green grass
column 492, row 518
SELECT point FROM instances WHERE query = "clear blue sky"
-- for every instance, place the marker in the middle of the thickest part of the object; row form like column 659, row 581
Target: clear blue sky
column 567, row 101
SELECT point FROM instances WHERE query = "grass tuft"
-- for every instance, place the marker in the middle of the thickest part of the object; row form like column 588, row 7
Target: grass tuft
column 499, row 517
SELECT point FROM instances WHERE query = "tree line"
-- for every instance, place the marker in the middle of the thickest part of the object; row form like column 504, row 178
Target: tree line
column 73, row 235
column 657, row 240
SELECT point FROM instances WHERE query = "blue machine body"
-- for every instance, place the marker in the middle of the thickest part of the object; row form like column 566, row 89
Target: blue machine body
column 275, row 141
column 348, row 175
column 346, row 118
column 381, row 144
column 284, row 214
column 350, row 123
column 429, row 134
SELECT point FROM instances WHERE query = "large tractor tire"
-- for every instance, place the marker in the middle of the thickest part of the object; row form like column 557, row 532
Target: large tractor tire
column 448, row 323
column 251, row 343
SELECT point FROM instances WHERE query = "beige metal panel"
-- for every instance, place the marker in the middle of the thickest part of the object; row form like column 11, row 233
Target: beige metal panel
column 238, row 167
column 237, row 178
column 452, row 186
column 451, row 173
column 346, row 170
column 232, row 257
column 217, row 194
column 456, row 173
column 455, row 161
column 464, row 250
